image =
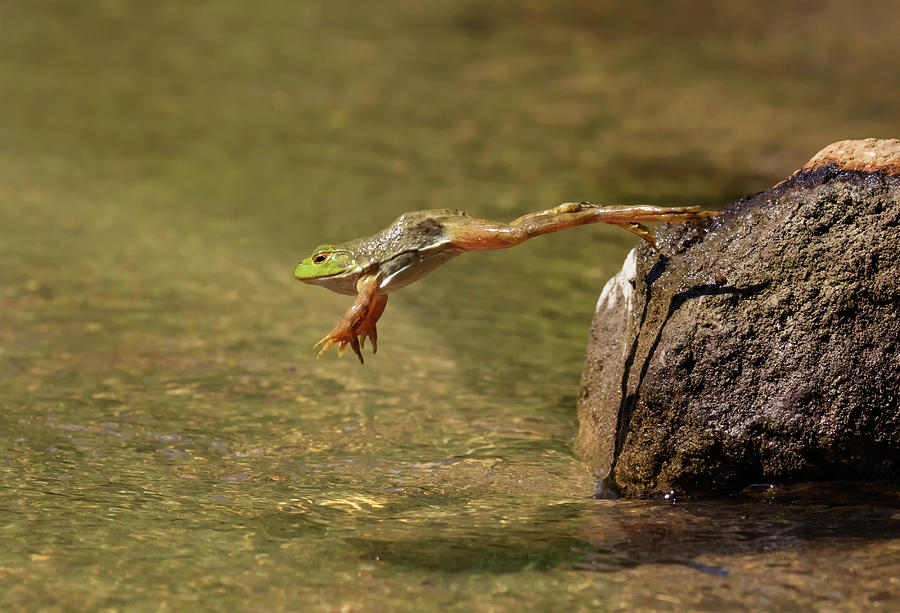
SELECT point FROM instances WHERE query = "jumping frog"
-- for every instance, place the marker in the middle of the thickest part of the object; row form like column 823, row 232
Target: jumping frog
column 418, row 242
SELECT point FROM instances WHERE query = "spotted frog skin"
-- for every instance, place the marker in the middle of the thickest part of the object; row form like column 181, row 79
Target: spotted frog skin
column 418, row 242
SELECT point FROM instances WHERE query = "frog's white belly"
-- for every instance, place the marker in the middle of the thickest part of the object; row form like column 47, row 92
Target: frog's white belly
column 411, row 266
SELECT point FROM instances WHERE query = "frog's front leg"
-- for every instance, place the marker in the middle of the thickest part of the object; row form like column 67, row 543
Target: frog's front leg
column 367, row 327
column 359, row 320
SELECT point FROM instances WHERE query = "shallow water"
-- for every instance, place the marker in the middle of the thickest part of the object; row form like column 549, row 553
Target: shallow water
column 170, row 440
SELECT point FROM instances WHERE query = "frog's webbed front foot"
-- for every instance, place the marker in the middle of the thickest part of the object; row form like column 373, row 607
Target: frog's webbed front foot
column 358, row 322
column 340, row 336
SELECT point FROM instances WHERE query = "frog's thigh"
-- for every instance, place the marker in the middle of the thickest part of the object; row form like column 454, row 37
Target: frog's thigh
column 470, row 233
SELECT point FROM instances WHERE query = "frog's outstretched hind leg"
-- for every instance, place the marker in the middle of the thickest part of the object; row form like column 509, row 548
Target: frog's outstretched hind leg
column 476, row 233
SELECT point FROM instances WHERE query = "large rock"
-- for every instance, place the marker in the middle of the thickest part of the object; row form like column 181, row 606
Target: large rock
column 765, row 347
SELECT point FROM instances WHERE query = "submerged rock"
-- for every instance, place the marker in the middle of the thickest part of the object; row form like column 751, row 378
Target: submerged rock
column 765, row 347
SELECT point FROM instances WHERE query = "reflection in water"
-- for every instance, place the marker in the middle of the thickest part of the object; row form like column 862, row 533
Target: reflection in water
column 808, row 545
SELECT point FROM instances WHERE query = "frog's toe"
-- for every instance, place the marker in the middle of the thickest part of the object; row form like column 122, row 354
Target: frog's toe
column 327, row 342
column 372, row 334
column 330, row 341
column 355, row 345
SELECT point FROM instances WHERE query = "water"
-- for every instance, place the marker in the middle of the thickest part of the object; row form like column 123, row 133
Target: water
column 170, row 440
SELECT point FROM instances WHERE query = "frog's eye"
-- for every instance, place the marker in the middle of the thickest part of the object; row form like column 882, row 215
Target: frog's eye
column 320, row 257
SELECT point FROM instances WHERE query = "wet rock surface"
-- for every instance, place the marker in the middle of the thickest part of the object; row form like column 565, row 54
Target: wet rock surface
column 765, row 347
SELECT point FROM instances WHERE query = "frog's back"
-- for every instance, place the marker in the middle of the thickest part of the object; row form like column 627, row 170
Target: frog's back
column 413, row 231
column 425, row 221
column 411, row 246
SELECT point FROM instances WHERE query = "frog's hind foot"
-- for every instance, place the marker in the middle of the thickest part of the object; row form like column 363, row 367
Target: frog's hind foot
column 640, row 230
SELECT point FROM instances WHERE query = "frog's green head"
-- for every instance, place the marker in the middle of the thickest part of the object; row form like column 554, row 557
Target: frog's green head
column 326, row 261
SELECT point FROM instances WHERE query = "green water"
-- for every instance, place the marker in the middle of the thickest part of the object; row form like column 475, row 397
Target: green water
column 171, row 443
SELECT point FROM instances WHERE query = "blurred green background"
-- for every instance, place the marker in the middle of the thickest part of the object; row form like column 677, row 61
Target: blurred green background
column 163, row 165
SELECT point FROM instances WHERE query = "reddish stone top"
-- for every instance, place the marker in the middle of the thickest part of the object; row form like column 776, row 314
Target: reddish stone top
column 866, row 155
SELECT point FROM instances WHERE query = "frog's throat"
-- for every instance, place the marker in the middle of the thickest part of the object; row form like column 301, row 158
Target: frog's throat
column 340, row 282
